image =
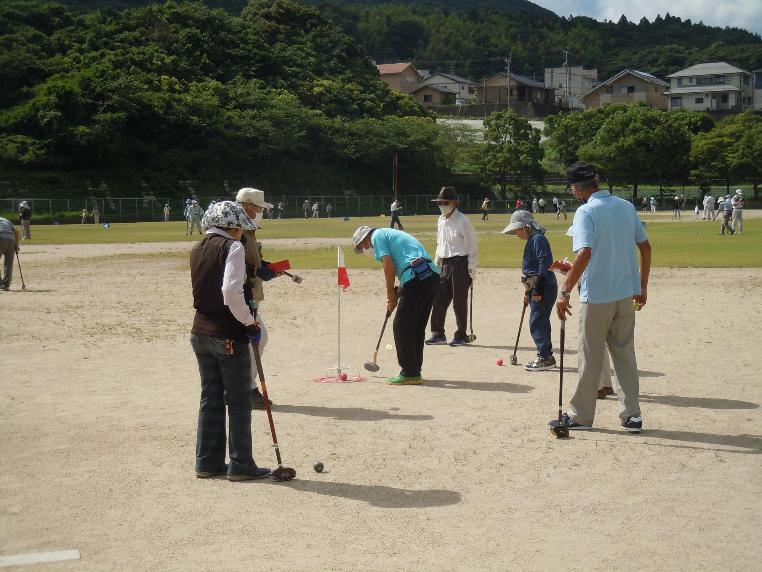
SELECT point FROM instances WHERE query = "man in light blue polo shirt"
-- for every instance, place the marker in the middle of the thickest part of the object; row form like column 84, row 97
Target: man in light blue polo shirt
column 606, row 233
column 404, row 258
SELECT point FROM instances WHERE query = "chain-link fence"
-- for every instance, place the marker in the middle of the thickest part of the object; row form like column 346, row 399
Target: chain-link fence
column 152, row 208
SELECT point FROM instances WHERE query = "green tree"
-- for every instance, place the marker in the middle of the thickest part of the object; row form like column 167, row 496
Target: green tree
column 510, row 154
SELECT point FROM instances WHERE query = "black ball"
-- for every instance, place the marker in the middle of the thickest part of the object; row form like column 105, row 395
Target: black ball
column 318, row 466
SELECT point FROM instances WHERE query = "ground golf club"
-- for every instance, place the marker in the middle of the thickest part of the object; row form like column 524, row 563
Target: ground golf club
column 18, row 260
column 295, row 277
column 471, row 337
column 372, row 365
column 556, row 428
column 281, row 473
column 514, row 359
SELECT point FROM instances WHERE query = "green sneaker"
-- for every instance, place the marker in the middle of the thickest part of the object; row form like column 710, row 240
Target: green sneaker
column 405, row 380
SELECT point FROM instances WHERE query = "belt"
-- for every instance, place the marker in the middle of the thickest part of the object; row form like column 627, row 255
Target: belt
column 454, row 258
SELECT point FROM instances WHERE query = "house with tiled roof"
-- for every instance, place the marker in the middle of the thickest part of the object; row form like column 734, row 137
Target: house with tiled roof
column 498, row 89
column 628, row 86
column 442, row 85
column 402, row 77
column 714, row 86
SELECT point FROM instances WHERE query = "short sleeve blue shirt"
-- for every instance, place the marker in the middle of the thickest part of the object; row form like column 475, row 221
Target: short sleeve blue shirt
column 611, row 228
column 403, row 249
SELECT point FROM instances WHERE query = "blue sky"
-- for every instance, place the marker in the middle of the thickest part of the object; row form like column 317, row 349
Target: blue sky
column 746, row 14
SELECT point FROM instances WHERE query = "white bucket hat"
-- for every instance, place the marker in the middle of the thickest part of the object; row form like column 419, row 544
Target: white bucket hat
column 226, row 214
column 739, row 192
column 520, row 219
column 252, row 196
column 360, row 234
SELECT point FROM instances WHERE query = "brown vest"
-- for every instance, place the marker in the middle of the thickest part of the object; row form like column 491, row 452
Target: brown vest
column 213, row 318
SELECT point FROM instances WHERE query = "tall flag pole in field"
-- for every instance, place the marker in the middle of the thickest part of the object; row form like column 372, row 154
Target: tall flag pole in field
column 343, row 283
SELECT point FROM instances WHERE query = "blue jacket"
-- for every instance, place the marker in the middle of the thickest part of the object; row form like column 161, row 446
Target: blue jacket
column 537, row 260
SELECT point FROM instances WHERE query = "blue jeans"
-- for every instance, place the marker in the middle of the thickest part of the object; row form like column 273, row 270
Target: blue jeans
column 539, row 317
column 224, row 378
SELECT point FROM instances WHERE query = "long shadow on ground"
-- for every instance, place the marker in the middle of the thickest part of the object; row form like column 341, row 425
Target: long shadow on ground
column 751, row 444
column 701, row 402
column 503, row 386
column 349, row 413
column 380, row 496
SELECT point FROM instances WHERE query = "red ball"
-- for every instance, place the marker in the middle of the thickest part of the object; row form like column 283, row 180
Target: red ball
column 499, row 362
column 343, row 377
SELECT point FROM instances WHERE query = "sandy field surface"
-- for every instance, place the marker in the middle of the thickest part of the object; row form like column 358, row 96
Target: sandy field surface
column 99, row 397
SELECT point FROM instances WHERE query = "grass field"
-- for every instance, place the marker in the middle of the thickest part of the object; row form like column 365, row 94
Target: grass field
column 684, row 244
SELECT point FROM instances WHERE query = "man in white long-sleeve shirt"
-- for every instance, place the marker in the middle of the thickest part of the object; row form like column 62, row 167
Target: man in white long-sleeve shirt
column 395, row 211
column 456, row 257
column 223, row 328
column 708, row 207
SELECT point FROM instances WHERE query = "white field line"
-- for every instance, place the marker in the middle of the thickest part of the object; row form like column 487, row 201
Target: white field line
column 38, row 558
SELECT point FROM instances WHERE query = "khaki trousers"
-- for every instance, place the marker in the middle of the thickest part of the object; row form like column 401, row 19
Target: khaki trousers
column 611, row 324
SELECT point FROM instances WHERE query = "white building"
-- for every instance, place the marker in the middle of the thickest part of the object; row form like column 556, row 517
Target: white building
column 463, row 88
column 579, row 79
column 757, row 97
column 715, row 86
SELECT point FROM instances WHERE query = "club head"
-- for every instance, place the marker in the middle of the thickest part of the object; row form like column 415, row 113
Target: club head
column 283, row 474
column 560, row 431
column 371, row 366
column 514, row 360
column 470, row 339
column 296, row 278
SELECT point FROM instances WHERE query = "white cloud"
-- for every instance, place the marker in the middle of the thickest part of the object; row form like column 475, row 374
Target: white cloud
column 746, row 14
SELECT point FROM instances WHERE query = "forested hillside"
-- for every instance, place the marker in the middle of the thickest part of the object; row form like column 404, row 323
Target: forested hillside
column 161, row 93
column 472, row 37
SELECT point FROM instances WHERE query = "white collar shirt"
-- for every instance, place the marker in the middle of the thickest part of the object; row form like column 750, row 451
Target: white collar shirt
column 456, row 237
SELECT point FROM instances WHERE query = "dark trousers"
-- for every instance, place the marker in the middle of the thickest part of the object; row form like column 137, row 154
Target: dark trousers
column 396, row 220
column 224, row 378
column 539, row 317
column 453, row 287
column 413, row 310
column 8, row 253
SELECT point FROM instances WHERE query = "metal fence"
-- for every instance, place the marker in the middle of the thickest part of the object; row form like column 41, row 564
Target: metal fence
column 151, row 208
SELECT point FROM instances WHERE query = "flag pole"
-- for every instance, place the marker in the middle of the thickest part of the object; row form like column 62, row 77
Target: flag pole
column 338, row 321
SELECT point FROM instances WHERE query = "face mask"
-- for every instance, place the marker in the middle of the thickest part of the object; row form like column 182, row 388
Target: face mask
column 446, row 209
column 258, row 218
column 369, row 252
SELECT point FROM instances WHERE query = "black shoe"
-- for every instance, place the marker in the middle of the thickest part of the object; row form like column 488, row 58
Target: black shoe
column 252, row 474
column 568, row 422
column 206, row 474
column 436, row 340
column 633, row 424
column 258, row 400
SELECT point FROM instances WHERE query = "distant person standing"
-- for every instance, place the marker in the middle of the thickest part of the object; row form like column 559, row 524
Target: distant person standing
column 96, row 215
column 167, row 210
column 653, row 205
column 84, row 216
column 727, row 214
column 456, row 258
column 519, row 204
column 644, row 203
column 737, row 202
column 186, row 214
column 708, row 207
column 306, row 208
column 485, row 208
column 561, row 209
column 328, row 210
column 541, row 202
column 676, row 207
column 280, row 210
column 316, row 210
column 535, row 205
column 9, row 246
column 25, row 216
column 195, row 213
column 395, row 212
column 555, row 205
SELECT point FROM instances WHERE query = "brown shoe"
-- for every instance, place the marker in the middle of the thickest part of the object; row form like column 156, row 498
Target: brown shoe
column 602, row 393
column 609, row 390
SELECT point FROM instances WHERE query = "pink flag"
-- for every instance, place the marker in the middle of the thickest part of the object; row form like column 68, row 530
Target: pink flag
column 343, row 276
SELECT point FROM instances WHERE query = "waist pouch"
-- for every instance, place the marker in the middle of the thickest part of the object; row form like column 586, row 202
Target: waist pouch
column 529, row 282
column 421, row 269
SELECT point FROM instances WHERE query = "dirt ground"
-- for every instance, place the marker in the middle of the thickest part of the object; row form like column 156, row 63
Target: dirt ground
column 99, row 395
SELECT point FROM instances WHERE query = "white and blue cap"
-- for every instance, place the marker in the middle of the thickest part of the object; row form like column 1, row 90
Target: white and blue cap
column 359, row 235
column 226, row 214
column 520, row 219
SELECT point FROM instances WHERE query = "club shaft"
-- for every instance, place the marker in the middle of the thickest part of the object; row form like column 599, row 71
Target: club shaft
column 518, row 335
column 380, row 337
column 561, row 371
column 260, row 371
column 18, row 261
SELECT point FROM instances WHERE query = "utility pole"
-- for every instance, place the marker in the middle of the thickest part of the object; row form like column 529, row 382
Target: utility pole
column 508, row 73
column 566, row 76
